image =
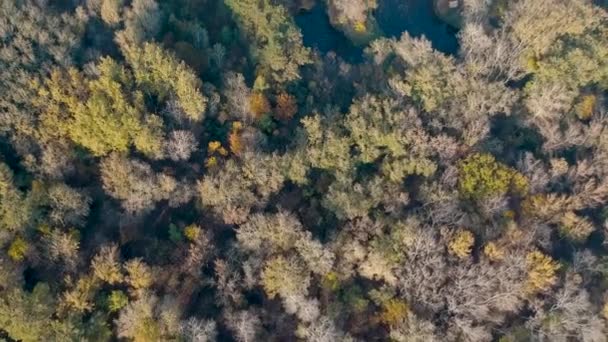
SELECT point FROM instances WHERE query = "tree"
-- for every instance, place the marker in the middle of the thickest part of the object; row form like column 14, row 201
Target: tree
column 238, row 186
column 541, row 272
column 481, row 176
column 15, row 209
column 457, row 97
column 117, row 300
column 29, row 317
column 285, row 277
column 280, row 233
column 323, row 330
column 137, row 320
column 69, row 206
column 18, row 249
column 259, row 104
column 110, row 11
column 238, row 95
column 142, row 22
column 245, row 325
column 568, row 314
column 36, row 38
column 104, row 114
column 537, row 24
column 63, row 248
column 158, row 72
column 575, row 227
column 277, row 43
column 352, row 11
column 139, row 275
column 195, row 330
column 181, row 145
column 106, row 266
column 461, row 244
column 286, row 107
column 134, row 183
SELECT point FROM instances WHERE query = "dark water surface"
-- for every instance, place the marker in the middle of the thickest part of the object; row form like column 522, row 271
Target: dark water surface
column 418, row 18
column 318, row 33
column 393, row 16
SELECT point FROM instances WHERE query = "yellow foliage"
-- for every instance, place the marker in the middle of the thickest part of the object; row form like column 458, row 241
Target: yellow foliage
column 259, row 104
column 360, row 27
column 237, row 126
column 105, row 265
column 210, row 162
column 482, row 176
column 192, row 232
column 139, row 274
column 18, row 249
column 235, row 142
column 585, row 107
column 493, row 252
column 331, row 281
column 541, row 272
column 531, row 63
column 222, row 151
column 575, row 227
column 605, row 310
column 509, row 214
column 461, row 244
column 394, row 311
column 213, row 146
column 284, row 277
column 80, row 298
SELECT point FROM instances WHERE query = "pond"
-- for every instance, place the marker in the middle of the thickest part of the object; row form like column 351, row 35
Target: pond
column 393, row 16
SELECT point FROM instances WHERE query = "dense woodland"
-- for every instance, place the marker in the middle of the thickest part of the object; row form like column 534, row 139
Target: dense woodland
column 190, row 170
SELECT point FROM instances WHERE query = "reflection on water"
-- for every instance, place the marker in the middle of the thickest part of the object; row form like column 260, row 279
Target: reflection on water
column 393, row 16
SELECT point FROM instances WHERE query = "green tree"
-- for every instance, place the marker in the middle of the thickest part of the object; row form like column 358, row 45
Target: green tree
column 103, row 114
column 481, row 176
column 15, row 209
column 30, row 317
column 117, row 300
column 277, row 42
column 158, row 72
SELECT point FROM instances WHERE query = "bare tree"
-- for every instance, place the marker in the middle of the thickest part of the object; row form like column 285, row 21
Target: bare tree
column 180, row 145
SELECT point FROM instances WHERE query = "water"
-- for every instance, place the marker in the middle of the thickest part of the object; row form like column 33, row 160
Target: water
column 318, row 33
column 418, row 18
column 393, row 16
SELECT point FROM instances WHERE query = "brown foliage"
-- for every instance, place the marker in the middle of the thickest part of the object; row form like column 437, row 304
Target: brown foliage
column 286, row 107
column 259, row 105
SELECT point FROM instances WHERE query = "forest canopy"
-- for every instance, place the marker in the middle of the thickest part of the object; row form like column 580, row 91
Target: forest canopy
column 274, row 170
